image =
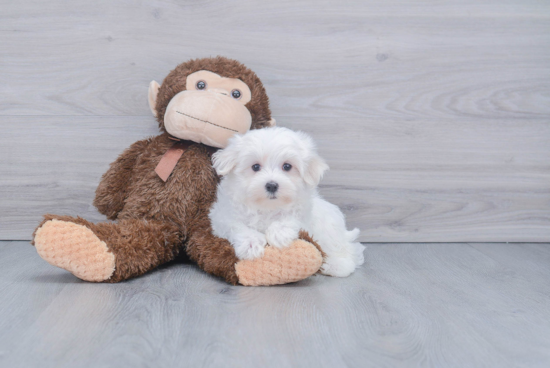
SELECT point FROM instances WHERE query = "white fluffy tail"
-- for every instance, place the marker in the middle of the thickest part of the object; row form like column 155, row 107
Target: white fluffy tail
column 352, row 235
column 358, row 256
column 355, row 247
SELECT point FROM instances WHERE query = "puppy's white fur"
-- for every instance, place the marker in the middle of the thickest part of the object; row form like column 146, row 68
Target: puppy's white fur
column 250, row 216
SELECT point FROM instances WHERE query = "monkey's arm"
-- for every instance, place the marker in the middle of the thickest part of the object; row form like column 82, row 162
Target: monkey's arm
column 113, row 187
column 214, row 255
column 217, row 256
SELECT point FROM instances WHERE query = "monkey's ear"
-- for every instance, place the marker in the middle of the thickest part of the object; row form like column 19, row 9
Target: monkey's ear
column 271, row 123
column 153, row 92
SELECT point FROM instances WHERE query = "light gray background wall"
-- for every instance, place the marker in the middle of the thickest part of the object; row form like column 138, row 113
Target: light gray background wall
column 434, row 116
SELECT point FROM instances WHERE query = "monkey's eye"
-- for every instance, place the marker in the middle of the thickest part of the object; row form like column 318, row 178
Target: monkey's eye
column 236, row 94
column 256, row 167
column 201, row 85
column 287, row 167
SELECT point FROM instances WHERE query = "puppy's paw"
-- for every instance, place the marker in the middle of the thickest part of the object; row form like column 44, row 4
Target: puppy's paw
column 338, row 266
column 250, row 246
column 280, row 236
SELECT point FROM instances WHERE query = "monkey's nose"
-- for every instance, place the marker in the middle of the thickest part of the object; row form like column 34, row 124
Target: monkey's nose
column 271, row 187
column 219, row 90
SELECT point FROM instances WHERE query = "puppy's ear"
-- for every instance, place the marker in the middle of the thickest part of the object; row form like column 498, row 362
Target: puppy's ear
column 315, row 170
column 315, row 166
column 225, row 160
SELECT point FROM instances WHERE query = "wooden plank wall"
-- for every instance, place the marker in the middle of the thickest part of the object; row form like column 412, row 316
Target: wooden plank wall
column 434, row 115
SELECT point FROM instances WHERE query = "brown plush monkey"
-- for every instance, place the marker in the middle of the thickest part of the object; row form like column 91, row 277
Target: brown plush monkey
column 159, row 190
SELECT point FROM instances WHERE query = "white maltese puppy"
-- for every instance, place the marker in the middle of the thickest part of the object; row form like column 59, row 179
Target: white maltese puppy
column 268, row 193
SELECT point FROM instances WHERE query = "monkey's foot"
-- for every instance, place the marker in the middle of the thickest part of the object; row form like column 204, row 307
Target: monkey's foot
column 74, row 248
column 280, row 266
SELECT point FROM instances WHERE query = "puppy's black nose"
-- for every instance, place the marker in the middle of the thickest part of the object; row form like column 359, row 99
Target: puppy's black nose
column 271, row 187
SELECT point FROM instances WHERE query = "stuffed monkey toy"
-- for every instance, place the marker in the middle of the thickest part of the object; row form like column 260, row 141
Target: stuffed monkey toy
column 159, row 191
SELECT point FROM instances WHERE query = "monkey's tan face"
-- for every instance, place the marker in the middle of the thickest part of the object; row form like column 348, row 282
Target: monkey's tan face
column 210, row 111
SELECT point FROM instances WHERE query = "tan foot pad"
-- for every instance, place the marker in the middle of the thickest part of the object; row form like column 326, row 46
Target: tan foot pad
column 277, row 266
column 76, row 249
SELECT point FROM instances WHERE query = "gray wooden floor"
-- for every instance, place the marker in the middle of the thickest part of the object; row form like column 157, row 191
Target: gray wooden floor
column 425, row 305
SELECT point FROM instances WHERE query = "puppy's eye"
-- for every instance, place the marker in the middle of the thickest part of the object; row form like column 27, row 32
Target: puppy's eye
column 236, row 94
column 201, row 85
column 287, row 167
column 256, row 167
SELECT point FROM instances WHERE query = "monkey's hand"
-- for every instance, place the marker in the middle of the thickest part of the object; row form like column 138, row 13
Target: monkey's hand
column 296, row 262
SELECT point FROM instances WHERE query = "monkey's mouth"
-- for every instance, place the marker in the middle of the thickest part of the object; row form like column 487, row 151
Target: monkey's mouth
column 207, row 122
